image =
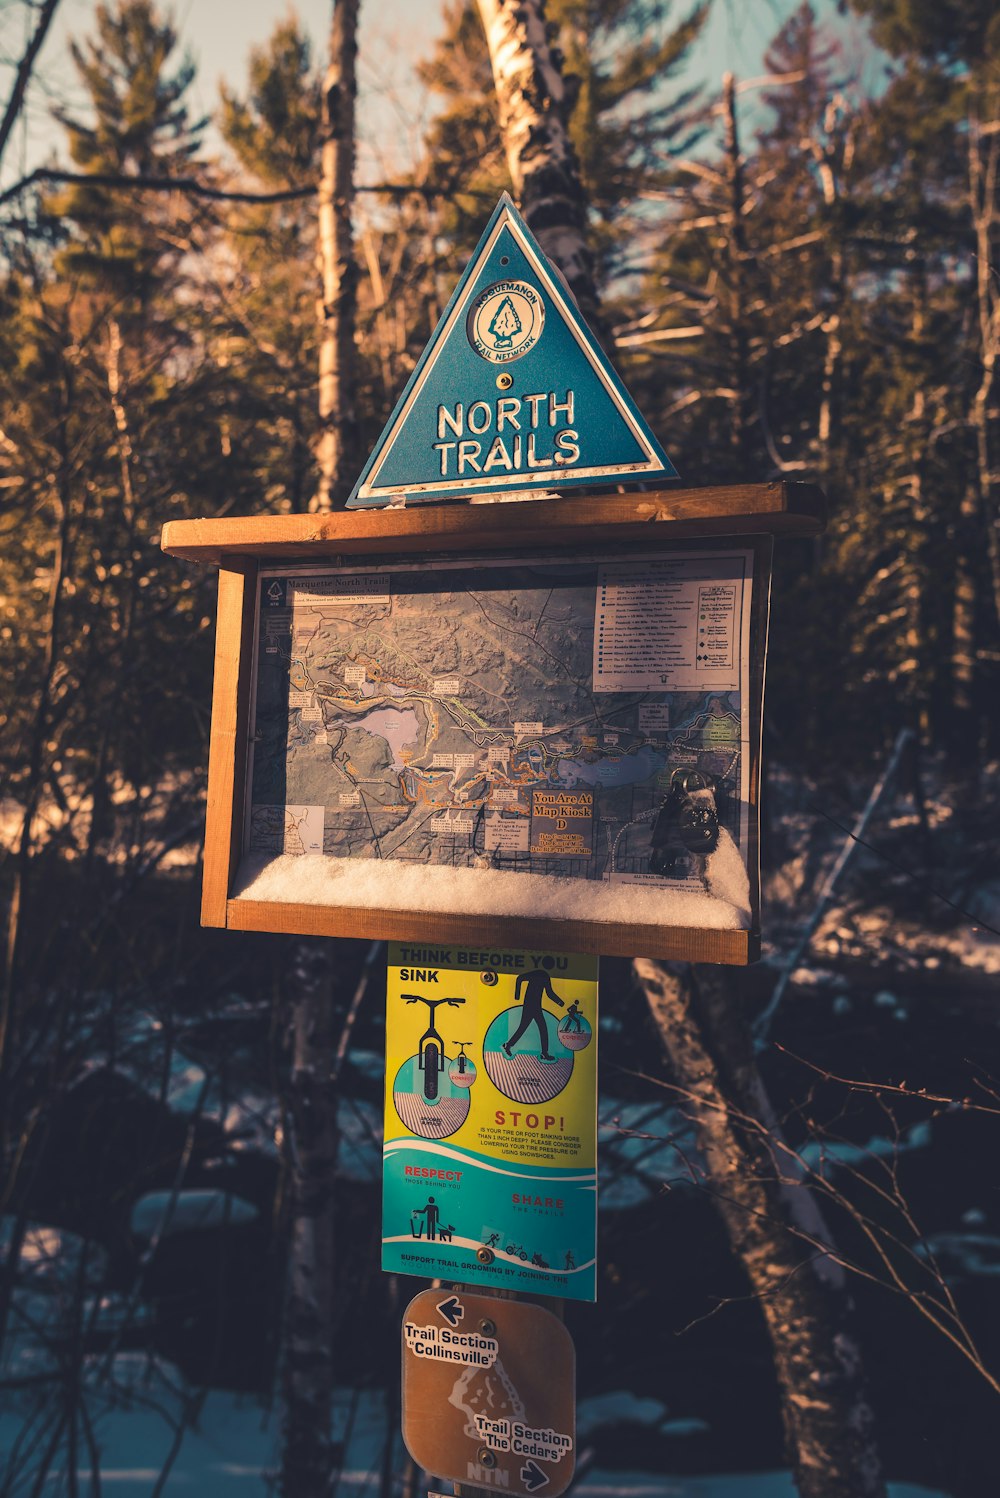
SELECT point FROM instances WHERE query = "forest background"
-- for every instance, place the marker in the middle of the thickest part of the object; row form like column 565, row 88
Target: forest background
column 798, row 278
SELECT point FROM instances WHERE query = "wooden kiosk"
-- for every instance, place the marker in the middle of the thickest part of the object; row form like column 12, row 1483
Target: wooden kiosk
column 496, row 732
column 650, row 525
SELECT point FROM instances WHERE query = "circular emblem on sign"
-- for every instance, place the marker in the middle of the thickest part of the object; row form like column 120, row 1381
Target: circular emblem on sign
column 505, row 321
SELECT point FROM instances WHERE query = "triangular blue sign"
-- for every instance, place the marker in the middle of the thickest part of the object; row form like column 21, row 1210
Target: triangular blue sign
column 513, row 391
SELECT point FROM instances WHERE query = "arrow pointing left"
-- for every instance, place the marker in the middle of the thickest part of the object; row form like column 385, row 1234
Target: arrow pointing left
column 452, row 1310
column 533, row 1477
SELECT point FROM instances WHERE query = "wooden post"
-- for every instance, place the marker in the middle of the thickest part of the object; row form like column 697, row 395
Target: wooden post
column 227, row 740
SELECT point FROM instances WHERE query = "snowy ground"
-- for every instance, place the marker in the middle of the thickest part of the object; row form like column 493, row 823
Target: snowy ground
column 898, row 984
column 229, row 1451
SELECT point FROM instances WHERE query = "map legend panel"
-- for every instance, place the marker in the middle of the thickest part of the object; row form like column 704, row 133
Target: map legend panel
column 717, row 615
column 671, row 625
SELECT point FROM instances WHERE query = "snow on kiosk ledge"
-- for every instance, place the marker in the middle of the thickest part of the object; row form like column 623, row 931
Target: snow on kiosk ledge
column 376, row 884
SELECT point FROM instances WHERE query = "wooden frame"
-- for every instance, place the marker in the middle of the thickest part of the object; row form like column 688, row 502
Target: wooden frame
column 240, row 546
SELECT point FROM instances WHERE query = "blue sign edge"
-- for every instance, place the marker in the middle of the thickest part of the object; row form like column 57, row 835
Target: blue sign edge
column 506, row 209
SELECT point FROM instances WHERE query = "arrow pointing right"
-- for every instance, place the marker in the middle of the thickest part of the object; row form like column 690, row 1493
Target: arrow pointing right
column 533, row 1477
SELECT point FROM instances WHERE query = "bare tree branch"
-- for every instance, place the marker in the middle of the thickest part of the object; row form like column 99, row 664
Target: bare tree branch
column 23, row 74
column 217, row 194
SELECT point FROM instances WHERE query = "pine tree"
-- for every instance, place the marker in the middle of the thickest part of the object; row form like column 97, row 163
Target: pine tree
column 140, row 128
column 623, row 61
column 954, row 47
column 274, row 130
column 98, row 450
column 261, row 316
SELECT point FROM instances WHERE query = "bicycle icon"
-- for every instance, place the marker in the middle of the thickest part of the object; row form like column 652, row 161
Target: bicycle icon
column 431, row 1048
column 462, row 1071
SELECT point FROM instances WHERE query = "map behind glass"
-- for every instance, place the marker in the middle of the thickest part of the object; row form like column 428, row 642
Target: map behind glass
column 467, row 714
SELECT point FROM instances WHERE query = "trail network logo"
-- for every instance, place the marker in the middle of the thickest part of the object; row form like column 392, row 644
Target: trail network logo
column 505, row 321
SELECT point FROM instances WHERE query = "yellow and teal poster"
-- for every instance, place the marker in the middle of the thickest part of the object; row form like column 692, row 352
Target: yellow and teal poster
column 489, row 1171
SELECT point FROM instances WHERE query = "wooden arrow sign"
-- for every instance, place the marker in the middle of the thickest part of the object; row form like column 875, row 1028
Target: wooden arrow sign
column 488, row 1393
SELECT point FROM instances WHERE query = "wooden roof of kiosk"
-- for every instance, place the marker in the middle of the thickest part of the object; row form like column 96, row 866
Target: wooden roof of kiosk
column 778, row 509
column 238, row 544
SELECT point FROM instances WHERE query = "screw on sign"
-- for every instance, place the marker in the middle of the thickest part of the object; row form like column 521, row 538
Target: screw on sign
column 488, row 1393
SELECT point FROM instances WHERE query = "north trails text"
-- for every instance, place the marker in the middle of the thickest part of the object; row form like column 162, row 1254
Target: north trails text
column 512, row 434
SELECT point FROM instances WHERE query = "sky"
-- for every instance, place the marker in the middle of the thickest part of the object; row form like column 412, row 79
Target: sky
column 394, row 34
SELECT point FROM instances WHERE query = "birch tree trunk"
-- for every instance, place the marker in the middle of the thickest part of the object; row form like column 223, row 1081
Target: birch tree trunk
column 308, row 1456
column 804, row 1300
column 776, row 1230
column 533, row 109
column 832, row 163
column 337, row 309
column 978, row 513
column 737, row 258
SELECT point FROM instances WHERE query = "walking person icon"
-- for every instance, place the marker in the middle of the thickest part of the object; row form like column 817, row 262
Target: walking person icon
column 572, row 1021
column 516, row 1051
column 570, row 1261
column 431, row 1214
column 537, row 986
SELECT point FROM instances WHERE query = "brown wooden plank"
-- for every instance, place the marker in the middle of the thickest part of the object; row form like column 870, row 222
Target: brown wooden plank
column 679, row 943
column 227, row 743
column 759, row 615
column 737, row 509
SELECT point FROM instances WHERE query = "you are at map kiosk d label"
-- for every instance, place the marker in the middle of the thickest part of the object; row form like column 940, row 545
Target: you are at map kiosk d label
column 490, row 1155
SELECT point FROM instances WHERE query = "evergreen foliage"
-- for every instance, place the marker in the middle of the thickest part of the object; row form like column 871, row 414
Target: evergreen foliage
column 629, row 118
column 261, row 316
column 621, row 60
column 139, row 127
column 951, row 31
column 275, row 130
column 793, row 297
column 805, row 286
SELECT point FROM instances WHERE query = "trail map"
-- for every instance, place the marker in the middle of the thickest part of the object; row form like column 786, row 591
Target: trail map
column 509, row 714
